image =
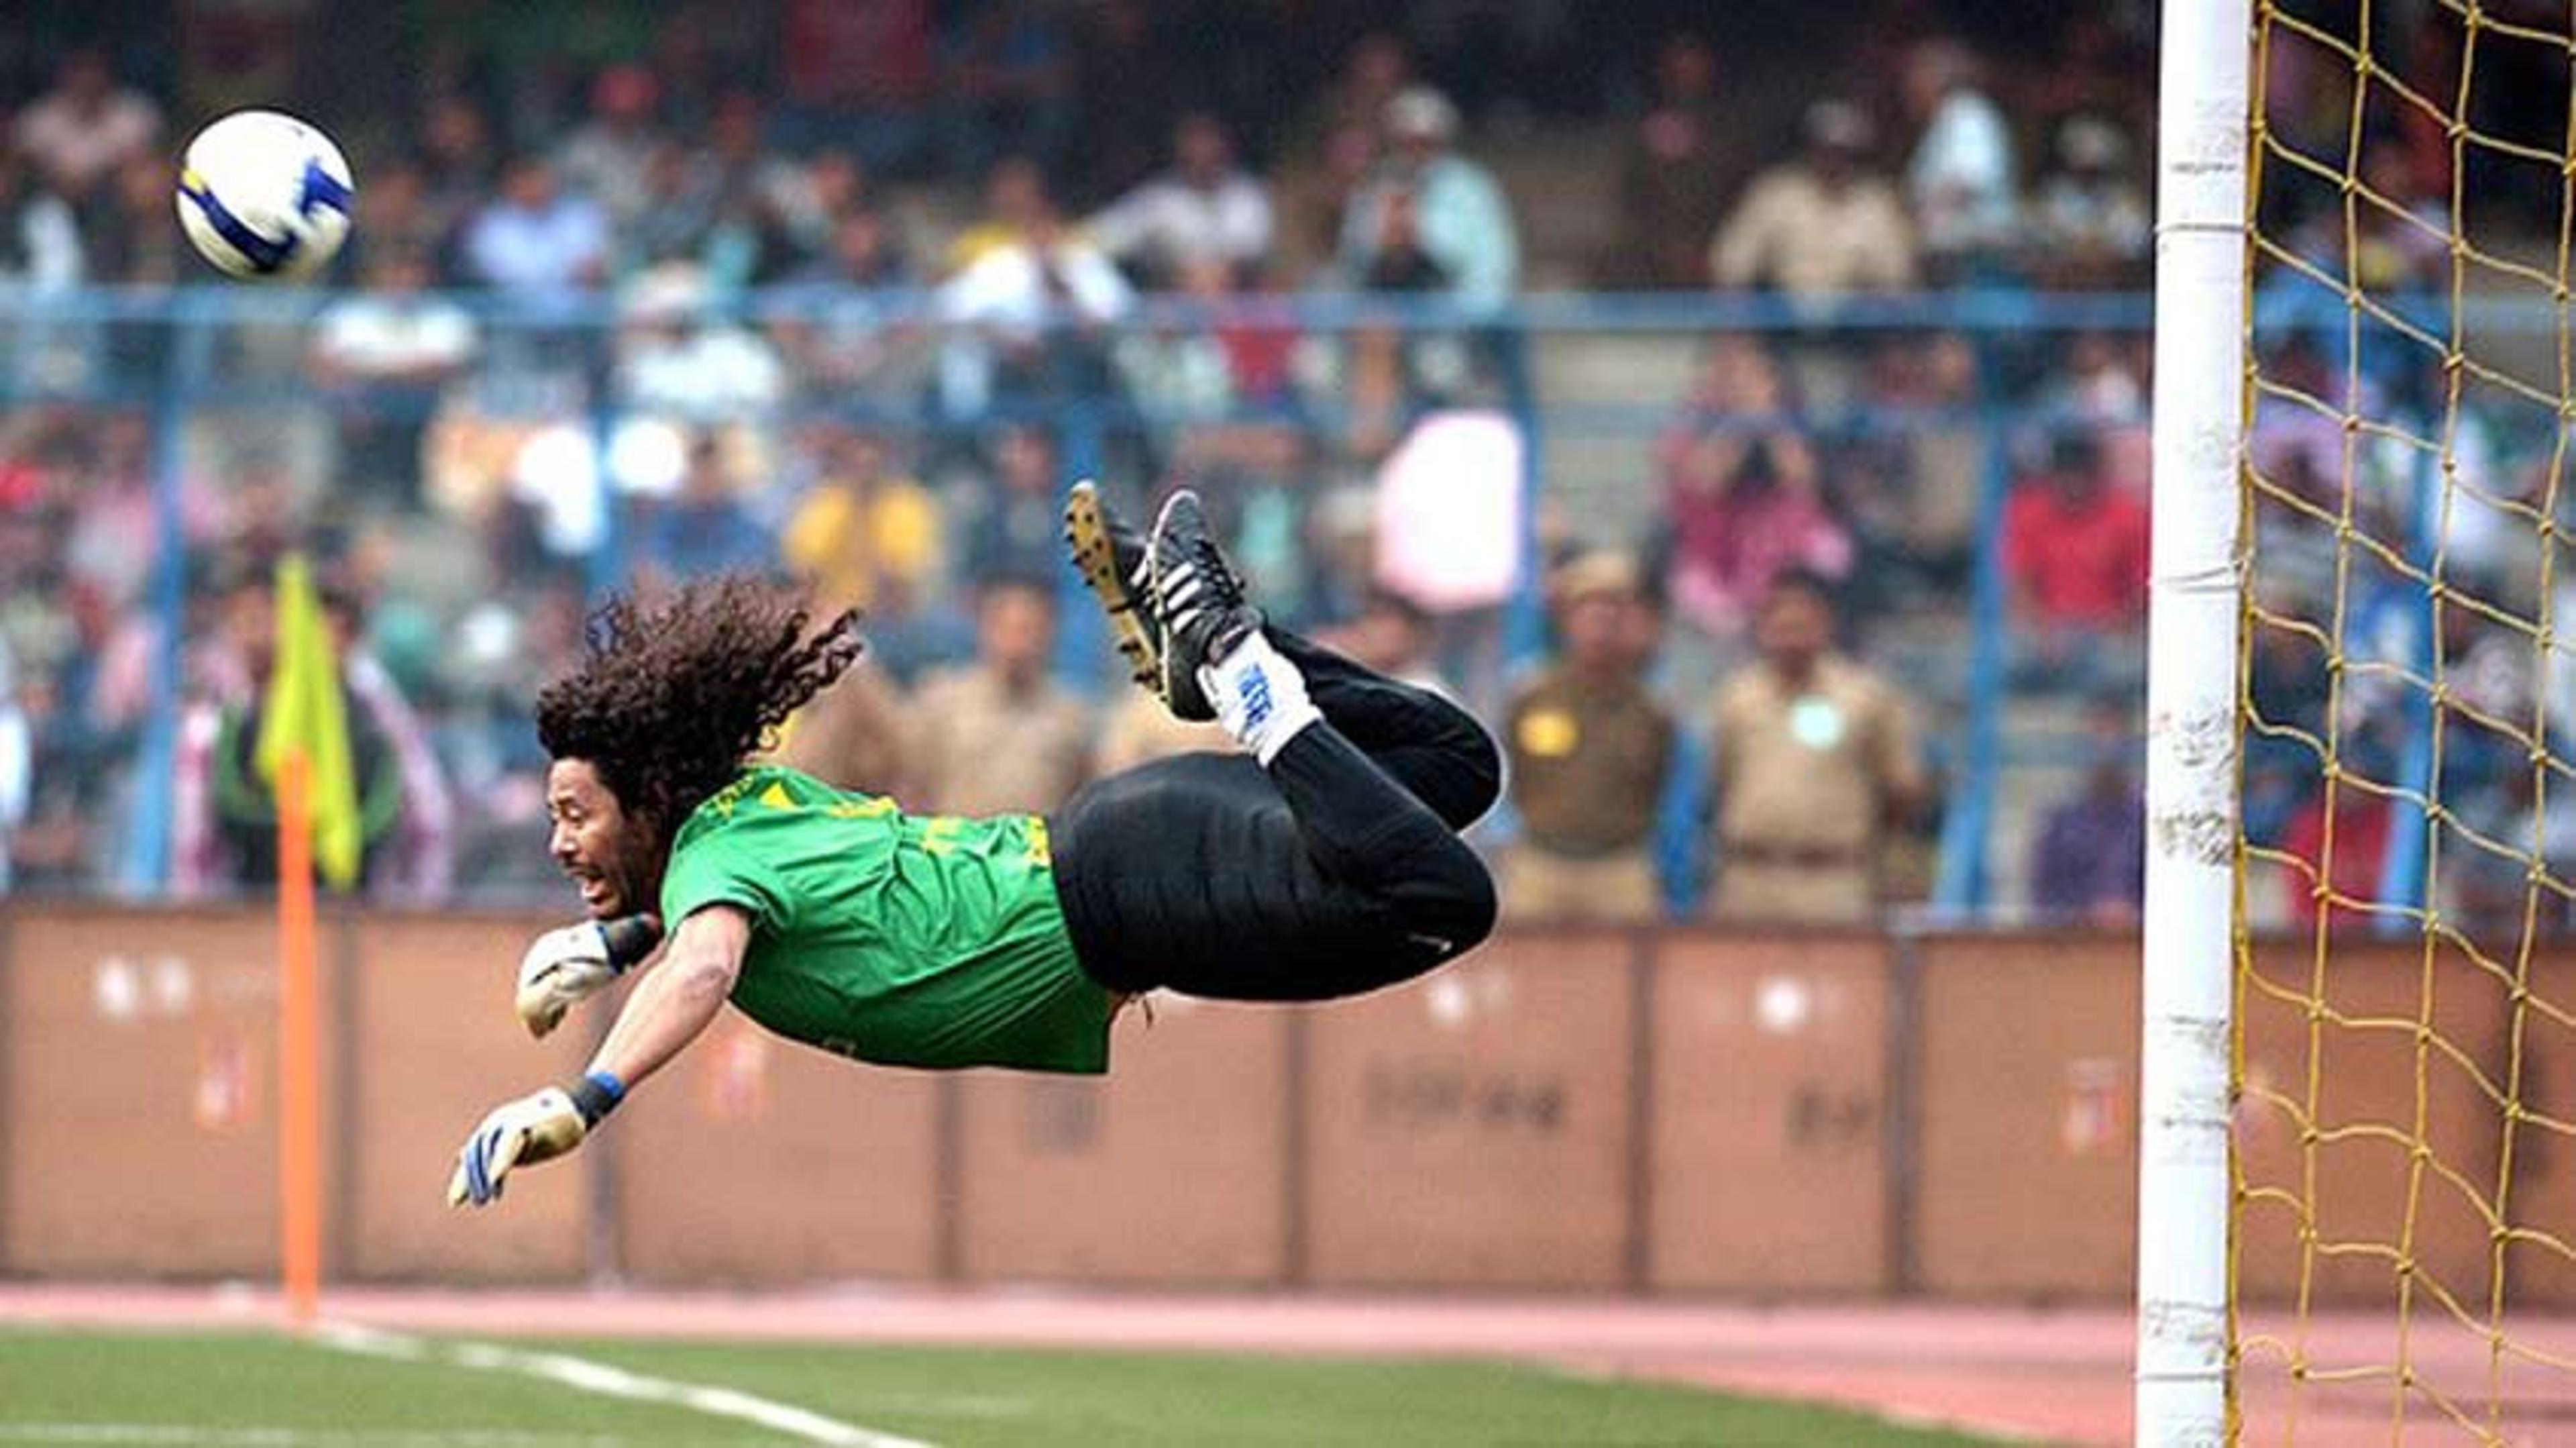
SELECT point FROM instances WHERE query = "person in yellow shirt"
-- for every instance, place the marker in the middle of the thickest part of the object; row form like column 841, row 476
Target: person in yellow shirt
column 862, row 523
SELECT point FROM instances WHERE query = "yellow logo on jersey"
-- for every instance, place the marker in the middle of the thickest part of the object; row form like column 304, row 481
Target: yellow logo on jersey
column 776, row 796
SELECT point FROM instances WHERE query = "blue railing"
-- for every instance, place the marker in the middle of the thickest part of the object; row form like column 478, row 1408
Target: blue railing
column 181, row 355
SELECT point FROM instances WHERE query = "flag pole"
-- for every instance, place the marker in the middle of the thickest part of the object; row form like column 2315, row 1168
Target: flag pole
column 299, row 1087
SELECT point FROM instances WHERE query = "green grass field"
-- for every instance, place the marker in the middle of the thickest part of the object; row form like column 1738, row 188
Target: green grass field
column 245, row 1390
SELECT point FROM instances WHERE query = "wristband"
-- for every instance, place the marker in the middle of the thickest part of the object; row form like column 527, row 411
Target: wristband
column 628, row 939
column 595, row 1095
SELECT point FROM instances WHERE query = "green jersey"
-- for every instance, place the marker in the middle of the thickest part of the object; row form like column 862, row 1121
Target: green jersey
column 900, row 939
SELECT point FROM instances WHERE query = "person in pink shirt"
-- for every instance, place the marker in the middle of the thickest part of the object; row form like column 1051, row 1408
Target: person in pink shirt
column 1744, row 492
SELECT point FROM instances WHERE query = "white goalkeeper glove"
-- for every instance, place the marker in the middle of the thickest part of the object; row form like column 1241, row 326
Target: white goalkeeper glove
column 527, row 1131
column 565, row 967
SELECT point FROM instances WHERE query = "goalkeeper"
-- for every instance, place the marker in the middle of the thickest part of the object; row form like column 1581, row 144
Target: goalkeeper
column 1322, row 862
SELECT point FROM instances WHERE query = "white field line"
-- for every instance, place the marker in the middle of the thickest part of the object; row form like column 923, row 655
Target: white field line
column 583, row 1375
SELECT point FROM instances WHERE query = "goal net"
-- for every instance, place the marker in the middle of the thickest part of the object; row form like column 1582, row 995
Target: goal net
column 2398, row 1120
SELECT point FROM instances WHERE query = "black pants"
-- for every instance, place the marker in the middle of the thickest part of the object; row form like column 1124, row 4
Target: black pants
column 1336, row 870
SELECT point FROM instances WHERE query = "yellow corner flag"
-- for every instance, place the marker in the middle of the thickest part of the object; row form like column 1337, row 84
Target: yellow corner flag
column 304, row 713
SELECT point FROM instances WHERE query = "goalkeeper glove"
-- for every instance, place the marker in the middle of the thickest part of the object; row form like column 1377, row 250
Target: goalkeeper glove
column 527, row 1131
column 564, row 967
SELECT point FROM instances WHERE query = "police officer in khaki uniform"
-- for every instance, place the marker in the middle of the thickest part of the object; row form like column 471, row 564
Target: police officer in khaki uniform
column 1814, row 758
column 1590, row 751
column 998, row 736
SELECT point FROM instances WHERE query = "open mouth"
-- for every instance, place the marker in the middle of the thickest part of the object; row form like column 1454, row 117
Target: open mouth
column 594, row 888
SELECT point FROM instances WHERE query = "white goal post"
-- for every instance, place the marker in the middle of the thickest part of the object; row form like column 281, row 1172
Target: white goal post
column 2192, row 688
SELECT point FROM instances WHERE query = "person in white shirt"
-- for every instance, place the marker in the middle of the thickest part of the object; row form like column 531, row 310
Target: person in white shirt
column 385, row 354
column 1204, row 209
column 1960, row 181
column 1024, row 317
column 1820, row 225
column 86, row 126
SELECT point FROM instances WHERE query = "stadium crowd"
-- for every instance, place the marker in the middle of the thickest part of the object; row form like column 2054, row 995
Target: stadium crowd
column 755, row 306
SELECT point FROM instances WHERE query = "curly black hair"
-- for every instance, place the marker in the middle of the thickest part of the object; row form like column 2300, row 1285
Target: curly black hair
column 673, row 693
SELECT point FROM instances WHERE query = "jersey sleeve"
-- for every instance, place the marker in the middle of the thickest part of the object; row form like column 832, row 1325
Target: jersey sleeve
column 716, row 869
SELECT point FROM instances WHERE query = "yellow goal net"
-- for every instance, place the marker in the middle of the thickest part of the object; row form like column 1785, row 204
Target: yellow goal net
column 2376, row 486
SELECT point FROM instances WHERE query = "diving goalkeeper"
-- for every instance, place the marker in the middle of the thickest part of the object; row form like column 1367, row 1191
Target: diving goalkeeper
column 1322, row 862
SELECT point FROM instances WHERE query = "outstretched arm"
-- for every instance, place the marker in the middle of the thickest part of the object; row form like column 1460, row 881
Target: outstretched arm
column 677, row 999
column 670, row 1007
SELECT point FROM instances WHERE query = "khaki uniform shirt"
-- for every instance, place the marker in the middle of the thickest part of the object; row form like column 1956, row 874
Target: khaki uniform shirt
column 976, row 750
column 1140, row 729
column 1803, row 785
column 850, row 736
column 1588, row 762
column 1792, row 233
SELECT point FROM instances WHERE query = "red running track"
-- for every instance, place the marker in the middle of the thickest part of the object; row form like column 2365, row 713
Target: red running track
column 2047, row 1376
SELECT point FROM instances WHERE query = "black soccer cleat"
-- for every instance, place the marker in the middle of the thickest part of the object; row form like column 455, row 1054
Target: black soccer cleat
column 1199, row 598
column 1114, row 562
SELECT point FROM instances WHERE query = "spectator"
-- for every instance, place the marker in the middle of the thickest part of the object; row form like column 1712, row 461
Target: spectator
column 1179, row 368
column 535, row 241
column 1373, row 74
column 1016, row 203
column 458, row 164
column 999, row 735
column 2089, row 863
column 1027, row 315
column 842, row 342
column 1814, row 761
column 1742, row 491
column 606, row 157
column 40, row 238
column 1960, row 181
column 1394, row 636
column 1140, row 728
column 225, row 817
column 1911, row 483
column 86, row 127
column 1589, row 748
column 851, row 735
column 395, row 214
column 1673, row 179
column 1012, row 532
column 2075, row 552
column 769, row 219
column 2091, row 225
column 1315, row 194
column 862, row 526
column 386, row 354
column 1430, row 219
column 1821, row 225
column 676, row 219
column 1204, row 209
column 680, row 358
column 704, row 529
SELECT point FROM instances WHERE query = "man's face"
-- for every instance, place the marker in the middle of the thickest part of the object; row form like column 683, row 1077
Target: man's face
column 1794, row 628
column 605, row 851
column 1015, row 630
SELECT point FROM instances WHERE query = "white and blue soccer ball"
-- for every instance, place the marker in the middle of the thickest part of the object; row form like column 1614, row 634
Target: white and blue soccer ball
column 265, row 197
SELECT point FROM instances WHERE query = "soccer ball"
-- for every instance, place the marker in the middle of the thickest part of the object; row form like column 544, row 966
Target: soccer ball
column 264, row 196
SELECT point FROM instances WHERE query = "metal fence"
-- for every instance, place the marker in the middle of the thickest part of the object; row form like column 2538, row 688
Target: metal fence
column 350, row 418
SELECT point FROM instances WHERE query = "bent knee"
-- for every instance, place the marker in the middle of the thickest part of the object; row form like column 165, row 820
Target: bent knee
column 1457, row 901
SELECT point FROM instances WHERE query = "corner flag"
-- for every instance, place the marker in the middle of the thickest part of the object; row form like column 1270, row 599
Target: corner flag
column 304, row 713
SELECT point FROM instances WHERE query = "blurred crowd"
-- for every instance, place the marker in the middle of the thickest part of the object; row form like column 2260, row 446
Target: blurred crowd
column 855, row 314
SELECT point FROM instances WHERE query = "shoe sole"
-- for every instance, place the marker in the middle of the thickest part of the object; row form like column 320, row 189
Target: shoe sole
column 1086, row 535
